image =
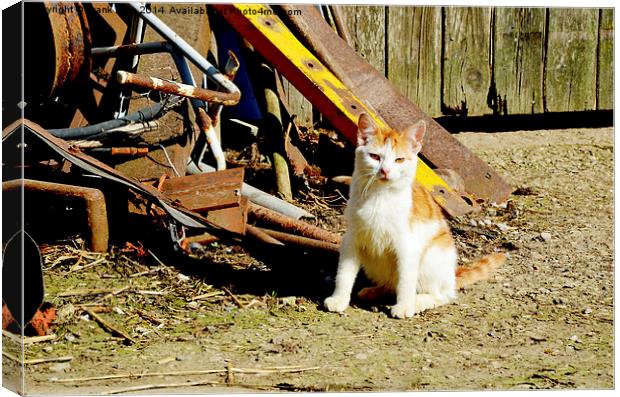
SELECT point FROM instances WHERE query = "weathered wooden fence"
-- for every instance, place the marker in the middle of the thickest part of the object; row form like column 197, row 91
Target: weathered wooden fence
column 483, row 60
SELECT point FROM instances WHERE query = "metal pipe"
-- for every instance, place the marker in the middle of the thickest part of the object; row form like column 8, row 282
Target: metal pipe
column 136, row 37
column 230, row 71
column 94, row 200
column 205, row 124
column 142, row 115
column 137, row 128
column 184, row 90
column 120, row 151
column 187, row 50
column 292, row 225
column 204, row 238
column 301, row 241
column 260, row 235
column 186, row 75
column 131, row 49
column 232, row 66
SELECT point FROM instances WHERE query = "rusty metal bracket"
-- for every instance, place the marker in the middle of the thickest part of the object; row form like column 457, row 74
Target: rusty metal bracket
column 206, row 192
column 440, row 148
column 268, row 34
column 96, row 213
column 216, row 194
column 233, row 219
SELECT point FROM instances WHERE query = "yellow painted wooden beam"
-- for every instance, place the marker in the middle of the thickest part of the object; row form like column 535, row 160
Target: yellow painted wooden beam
column 267, row 33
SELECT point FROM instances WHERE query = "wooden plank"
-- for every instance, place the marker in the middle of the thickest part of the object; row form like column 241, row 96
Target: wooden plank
column 466, row 71
column 414, row 55
column 518, row 59
column 299, row 105
column 348, row 14
column 570, row 69
column 367, row 25
column 206, row 192
column 605, row 62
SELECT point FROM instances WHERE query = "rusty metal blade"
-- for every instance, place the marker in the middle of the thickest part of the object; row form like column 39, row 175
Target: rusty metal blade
column 232, row 219
column 206, row 192
column 440, row 148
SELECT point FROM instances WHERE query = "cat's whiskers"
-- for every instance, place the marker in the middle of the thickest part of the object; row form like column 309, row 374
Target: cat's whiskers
column 368, row 183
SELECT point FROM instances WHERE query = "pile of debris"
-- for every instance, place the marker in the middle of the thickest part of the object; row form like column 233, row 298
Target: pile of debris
column 102, row 136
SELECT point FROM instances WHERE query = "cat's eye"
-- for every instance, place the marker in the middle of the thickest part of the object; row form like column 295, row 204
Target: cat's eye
column 374, row 156
column 400, row 160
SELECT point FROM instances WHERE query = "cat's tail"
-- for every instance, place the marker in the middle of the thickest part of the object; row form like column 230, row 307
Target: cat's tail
column 479, row 270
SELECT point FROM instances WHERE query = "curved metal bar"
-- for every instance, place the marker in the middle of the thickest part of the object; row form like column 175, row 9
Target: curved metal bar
column 96, row 212
column 171, row 87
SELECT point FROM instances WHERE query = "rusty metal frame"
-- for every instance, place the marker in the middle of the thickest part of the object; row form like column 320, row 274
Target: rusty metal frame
column 180, row 51
column 267, row 33
column 88, row 163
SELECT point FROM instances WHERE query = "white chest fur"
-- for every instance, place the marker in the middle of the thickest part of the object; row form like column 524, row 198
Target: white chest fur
column 379, row 226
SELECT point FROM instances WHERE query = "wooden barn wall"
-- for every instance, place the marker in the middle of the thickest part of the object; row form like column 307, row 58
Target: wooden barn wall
column 486, row 60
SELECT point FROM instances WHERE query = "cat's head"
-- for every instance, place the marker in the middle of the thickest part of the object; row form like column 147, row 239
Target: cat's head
column 387, row 155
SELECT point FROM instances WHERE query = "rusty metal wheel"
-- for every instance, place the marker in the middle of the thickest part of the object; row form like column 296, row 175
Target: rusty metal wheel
column 56, row 52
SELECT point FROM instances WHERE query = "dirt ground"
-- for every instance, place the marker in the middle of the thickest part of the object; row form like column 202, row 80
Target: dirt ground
column 543, row 321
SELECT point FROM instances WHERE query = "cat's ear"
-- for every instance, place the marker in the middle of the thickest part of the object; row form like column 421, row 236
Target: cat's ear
column 415, row 135
column 366, row 128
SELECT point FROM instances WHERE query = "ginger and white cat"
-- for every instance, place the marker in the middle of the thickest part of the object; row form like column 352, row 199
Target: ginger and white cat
column 395, row 230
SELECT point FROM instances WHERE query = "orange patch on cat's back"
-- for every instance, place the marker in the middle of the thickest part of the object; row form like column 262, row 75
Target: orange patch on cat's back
column 424, row 207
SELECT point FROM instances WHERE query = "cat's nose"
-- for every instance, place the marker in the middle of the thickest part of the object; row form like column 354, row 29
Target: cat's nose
column 385, row 173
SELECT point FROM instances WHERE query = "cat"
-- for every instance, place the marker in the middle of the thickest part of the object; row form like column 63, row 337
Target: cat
column 395, row 230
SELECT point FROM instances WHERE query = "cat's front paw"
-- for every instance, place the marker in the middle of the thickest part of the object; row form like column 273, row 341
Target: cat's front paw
column 403, row 310
column 336, row 303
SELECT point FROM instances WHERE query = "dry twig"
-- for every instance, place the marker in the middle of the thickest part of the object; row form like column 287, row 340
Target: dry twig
column 147, row 272
column 234, row 298
column 207, row 295
column 83, row 292
column 76, row 267
column 108, row 327
column 111, row 294
column 33, row 361
column 30, row 340
column 249, row 371
column 161, row 386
